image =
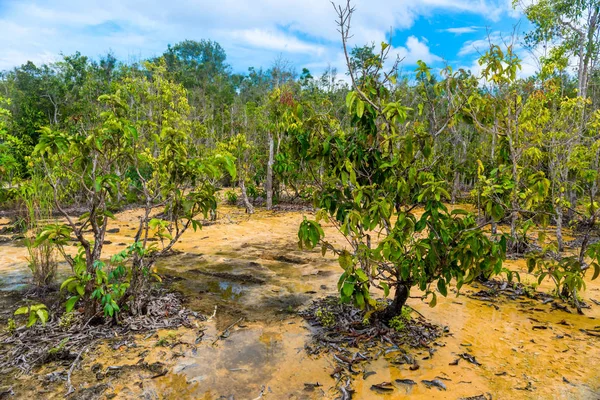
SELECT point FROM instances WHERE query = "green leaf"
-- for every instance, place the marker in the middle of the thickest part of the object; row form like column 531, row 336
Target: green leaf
column 22, row 310
column 441, row 285
column 386, row 289
column 530, row 264
column 32, row 319
column 433, row 301
column 596, row 271
column 345, row 260
column 348, row 289
column 361, row 275
column 360, row 300
column 70, row 304
column 43, row 316
column 350, row 97
column 360, row 108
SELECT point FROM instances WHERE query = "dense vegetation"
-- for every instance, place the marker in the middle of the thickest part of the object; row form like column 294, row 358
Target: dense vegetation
column 380, row 158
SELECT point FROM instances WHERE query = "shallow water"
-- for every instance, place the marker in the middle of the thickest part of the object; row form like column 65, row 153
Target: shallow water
column 265, row 351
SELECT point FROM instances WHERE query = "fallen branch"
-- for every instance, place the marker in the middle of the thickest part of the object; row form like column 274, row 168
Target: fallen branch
column 70, row 388
column 221, row 335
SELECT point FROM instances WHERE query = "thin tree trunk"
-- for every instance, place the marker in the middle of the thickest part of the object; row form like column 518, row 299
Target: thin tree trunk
column 247, row 203
column 455, row 187
column 269, row 181
column 559, row 220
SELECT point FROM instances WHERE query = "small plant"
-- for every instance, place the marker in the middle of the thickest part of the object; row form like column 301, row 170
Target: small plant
column 37, row 198
column 406, row 314
column 37, row 313
column 167, row 341
column 530, row 289
column 11, row 326
column 253, row 191
column 325, row 317
column 398, row 323
column 231, row 197
column 66, row 321
column 59, row 347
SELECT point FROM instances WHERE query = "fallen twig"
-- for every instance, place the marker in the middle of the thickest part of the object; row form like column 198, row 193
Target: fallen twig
column 70, row 388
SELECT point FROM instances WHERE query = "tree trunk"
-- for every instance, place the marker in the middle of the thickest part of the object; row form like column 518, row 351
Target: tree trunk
column 400, row 297
column 455, row 186
column 247, row 203
column 269, row 181
column 559, row 220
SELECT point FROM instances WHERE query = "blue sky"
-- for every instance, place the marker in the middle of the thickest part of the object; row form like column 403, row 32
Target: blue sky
column 256, row 33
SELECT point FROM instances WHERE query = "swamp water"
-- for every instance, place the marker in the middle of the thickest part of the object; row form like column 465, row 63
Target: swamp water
column 250, row 269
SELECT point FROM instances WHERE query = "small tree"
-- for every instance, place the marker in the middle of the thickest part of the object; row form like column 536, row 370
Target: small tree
column 152, row 141
column 375, row 176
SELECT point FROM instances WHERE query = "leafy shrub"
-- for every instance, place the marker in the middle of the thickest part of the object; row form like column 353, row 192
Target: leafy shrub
column 231, row 197
column 36, row 312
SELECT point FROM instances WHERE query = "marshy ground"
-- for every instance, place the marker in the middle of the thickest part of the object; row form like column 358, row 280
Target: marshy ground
column 250, row 270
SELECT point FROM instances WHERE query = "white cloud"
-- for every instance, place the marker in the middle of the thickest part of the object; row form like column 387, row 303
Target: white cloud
column 415, row 50
column 302, row 30
column 461, row 30
column 274, row 40
column 480, row 46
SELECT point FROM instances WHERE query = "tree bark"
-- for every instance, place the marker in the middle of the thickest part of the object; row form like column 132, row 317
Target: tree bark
column 247, row 203
column 269, row 181
column 455, row 186
column 400, row 297
column 559, row 220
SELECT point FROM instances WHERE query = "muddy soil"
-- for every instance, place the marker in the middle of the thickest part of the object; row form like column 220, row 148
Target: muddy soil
column 248, row 276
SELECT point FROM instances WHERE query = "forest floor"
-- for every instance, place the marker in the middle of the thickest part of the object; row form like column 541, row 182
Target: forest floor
column 246, row 274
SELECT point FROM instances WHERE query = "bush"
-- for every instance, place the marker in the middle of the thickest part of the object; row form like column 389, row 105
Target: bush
column 231, row 197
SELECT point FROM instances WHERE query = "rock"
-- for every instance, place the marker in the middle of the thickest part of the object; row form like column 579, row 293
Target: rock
column 434, row 383
column 6, row 392
column 383, row 387
column 90, row 393
column 408, row 382
column 290, row 259
column 113, row 230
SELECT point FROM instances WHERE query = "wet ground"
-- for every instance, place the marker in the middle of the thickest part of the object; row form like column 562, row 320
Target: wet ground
column 250, row 270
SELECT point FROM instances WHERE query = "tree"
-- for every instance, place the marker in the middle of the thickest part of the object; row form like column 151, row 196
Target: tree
column 9, row 144
column 151, row 140
column 376, row 174
column 573, row 26
column 499, row 112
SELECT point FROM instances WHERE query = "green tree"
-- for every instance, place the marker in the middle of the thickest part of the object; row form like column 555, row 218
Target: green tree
column 573, row 25
column 376, row 173
column 152, row 140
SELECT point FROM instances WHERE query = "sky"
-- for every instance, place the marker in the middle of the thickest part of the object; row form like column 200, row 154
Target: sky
column 256, row 33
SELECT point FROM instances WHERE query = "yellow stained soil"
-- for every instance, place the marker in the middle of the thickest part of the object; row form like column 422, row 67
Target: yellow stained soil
column 265, row 352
